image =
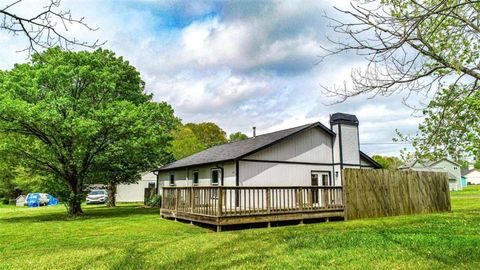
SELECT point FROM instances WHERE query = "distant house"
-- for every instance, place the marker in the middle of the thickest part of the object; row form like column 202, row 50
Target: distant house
column 136, row 192
column 452, row 168
column 20, row 201
column 307, row 155
column 472, row 176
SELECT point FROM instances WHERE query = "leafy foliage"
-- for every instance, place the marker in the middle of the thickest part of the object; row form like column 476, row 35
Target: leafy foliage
column 237, row 136
column 155, row 201
column 388, row 162
column 451, row 126
column 78, row 116
column 209, row 134
column 185, row 143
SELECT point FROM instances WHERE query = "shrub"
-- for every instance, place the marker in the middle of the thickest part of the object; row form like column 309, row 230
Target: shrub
column 154, row 201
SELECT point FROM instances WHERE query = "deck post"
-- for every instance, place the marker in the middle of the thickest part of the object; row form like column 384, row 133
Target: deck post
column 219, row 228
column 192, row 200
column 325, row 197
column 268, row 202
column 177, row 191
column 300, row 199
column 220, row 201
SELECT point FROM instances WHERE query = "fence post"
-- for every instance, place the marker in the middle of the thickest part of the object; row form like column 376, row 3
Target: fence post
column 220, row 201
column 268, row 200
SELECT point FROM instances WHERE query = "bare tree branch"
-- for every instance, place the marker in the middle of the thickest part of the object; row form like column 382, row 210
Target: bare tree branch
column 43, row 29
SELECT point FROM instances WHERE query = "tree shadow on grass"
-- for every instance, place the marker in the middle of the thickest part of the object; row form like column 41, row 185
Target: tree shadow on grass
column 90, row 213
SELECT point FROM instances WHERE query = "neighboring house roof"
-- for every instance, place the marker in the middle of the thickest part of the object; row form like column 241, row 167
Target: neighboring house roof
column 371, row 160
column 427, row 164
column 466, row 171
column 431, row 164
column 238, row 149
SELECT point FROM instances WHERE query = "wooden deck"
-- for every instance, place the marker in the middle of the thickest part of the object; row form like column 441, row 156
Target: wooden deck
column 240, row 205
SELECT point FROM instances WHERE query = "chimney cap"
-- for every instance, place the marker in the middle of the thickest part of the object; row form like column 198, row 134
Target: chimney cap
column 344, row 118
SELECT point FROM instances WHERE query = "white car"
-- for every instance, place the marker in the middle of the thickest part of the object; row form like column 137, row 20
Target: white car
column 97, row 196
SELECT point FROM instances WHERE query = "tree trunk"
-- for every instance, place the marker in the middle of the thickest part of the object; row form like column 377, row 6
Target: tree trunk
column 75, row 205
column 111, row 188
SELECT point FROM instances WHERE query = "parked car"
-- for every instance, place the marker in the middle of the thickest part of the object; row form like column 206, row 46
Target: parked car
column 97, row 196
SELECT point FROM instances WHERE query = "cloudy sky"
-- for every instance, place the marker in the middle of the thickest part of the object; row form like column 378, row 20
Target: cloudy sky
column 236, row 63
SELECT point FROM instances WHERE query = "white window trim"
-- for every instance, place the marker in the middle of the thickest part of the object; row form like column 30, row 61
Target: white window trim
column 170, row 180
column 219, row 176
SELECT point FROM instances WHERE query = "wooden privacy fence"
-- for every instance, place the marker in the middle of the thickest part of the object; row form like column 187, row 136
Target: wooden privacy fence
column 379, row 193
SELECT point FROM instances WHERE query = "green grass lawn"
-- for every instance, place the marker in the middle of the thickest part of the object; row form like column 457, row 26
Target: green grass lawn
column 131, row 237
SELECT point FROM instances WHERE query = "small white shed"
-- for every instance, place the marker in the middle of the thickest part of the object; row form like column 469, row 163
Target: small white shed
column 21, row 200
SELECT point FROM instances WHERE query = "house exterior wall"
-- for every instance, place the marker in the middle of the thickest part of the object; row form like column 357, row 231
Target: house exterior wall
column 294, row 157
column 473, row 177
column 452, row 168
column 184, row 176
column 313, row 145
column 365, row 163
column 278, row 174
column 135, row 192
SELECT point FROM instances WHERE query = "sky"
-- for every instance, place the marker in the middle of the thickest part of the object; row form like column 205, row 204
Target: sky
column 235, row 63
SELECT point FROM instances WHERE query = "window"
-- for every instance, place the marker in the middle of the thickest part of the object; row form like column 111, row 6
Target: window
column 151, row 184
column 215, row 176
column 172, row 179
column 195, row 178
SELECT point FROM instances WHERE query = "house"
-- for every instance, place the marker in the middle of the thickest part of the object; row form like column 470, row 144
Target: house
column 20, row 201
column 472, row 176
column 307, row 155
column 136, row 192
column 452, row 168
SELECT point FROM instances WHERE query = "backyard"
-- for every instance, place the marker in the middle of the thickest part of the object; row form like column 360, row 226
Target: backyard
column 132, row 237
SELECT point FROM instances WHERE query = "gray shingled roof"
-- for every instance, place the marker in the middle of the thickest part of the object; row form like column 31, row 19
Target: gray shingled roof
column 234, row 150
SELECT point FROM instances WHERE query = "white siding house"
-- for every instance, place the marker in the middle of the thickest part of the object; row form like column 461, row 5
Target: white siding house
column 136, row 192
column 307, row 155
column 472, row 176
column 452, row 168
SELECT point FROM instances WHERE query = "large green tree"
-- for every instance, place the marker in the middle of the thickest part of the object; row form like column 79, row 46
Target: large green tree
column 185, row 143
column 237, row 136
column 65, row 112
column 388, row 162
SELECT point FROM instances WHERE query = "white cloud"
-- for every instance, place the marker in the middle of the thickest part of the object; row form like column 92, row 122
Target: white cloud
column 243, row 65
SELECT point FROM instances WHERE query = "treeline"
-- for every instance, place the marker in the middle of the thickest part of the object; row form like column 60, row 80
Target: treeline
column 191, row 138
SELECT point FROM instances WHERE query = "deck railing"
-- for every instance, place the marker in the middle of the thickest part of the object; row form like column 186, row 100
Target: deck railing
column 224, row 201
